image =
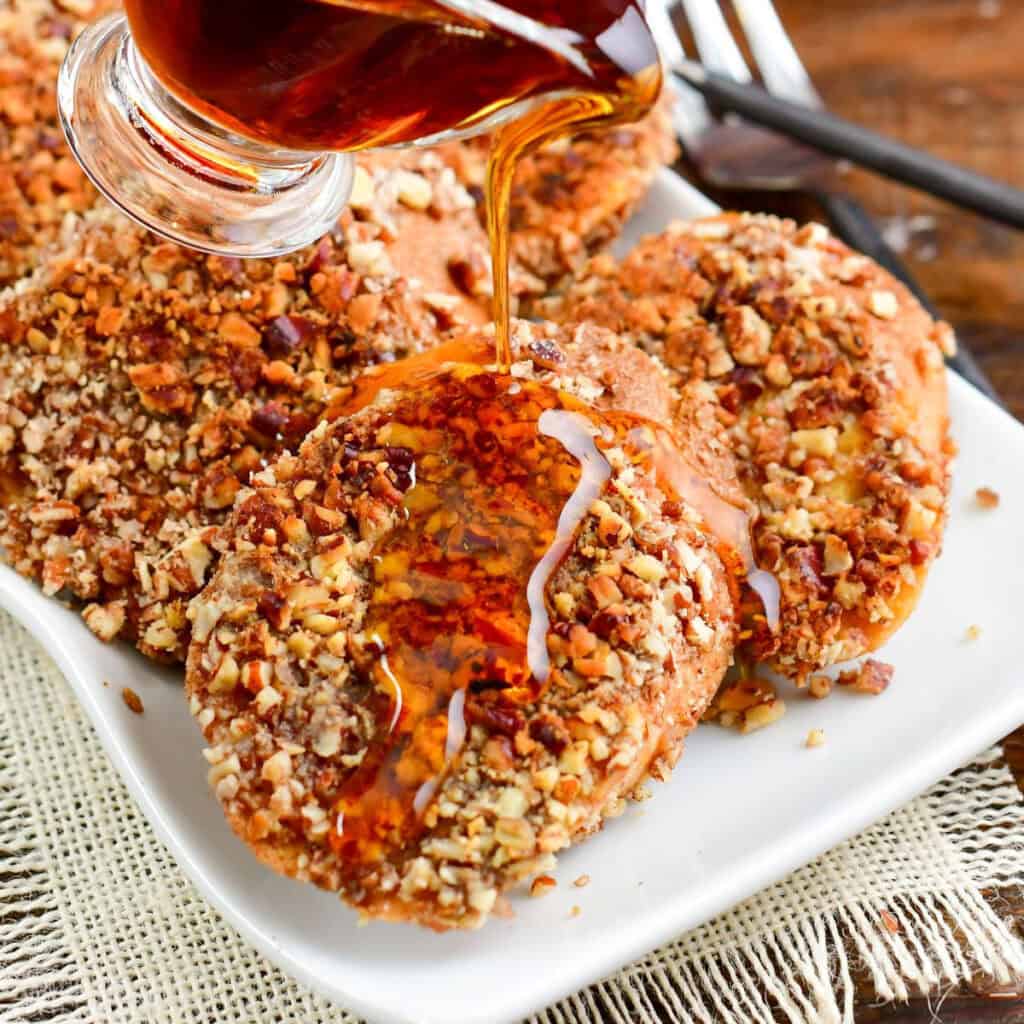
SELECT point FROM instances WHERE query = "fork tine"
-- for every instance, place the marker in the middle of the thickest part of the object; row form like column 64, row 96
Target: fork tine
column 660, row 21
column 690, row 114
column 781, row 68
column 715, row 44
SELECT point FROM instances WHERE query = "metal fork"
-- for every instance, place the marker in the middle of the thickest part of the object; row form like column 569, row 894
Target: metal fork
column 733, row 154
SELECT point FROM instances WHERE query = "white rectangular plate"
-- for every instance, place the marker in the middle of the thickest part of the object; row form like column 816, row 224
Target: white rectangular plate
column 740, row 813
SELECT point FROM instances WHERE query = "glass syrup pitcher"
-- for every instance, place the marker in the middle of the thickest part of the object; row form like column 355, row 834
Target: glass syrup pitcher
column 228, row 125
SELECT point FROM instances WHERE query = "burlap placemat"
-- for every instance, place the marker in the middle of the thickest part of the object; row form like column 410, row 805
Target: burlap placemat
column 97, row 923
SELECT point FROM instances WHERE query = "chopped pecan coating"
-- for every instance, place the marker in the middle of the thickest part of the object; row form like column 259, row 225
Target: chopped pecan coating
column 829, row 379
column 141, row 385
column 41, row 185
column 320, row 611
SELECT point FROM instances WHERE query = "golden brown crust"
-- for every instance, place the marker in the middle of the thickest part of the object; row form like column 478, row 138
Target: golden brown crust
column 830, row 379
column 641, row 631
column 40, row 183
column 141, row 383
column 632, row 382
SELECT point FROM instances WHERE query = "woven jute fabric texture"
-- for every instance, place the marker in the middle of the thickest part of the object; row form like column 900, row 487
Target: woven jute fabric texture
column 98, row 924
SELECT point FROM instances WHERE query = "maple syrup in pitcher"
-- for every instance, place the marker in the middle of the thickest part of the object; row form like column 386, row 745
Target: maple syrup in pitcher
column 330, row 75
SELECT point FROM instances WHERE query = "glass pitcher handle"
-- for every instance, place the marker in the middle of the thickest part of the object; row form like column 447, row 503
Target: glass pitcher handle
column 181, row 175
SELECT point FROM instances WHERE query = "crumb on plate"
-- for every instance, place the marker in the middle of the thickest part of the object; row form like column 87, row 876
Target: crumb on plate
column 871, row 677
column 542, row 885
column 746, row 705
column 132, row 700
column 986, row 497
column 820, row 686
column 831, row 385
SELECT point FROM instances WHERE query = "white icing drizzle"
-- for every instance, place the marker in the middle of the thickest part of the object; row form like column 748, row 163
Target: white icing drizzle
column 574, row 432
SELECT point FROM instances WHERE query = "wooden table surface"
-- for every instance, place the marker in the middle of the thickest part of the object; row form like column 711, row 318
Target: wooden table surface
column 948, row 76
